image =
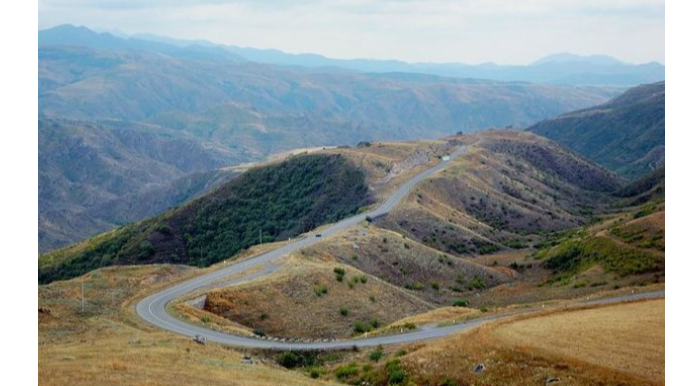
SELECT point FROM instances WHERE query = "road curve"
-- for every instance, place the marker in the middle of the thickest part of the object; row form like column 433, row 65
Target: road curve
column 153, row 308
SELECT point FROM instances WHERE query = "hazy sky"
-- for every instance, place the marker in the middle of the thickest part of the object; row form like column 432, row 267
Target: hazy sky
column 468, row 31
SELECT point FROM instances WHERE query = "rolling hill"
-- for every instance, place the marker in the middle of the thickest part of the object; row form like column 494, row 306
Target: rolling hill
column 626, row 134
column 511, row 187
column 519, row 194
column 269, row 203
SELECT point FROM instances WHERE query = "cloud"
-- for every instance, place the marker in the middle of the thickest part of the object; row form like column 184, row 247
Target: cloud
column 504, row 31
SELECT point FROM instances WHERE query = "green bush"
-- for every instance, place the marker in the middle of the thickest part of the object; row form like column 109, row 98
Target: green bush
column 289, row 360
column 416, row 286
column 292, row 359
column 461, row 303
column 343, row 311
column 320, row 290
column 396, row 375
column 476, row 284
column 361, row 327
column 347, row 371
column 376, row 355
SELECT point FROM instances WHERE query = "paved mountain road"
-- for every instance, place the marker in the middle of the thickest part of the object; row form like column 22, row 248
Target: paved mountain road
column 153, row 308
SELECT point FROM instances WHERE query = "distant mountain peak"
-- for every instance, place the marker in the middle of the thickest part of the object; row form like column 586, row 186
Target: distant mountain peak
column 567, row 57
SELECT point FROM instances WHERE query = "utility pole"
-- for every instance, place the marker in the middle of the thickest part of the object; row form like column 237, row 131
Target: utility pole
column 82, row 295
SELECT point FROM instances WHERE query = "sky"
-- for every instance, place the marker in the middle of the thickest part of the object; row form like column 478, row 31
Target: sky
column 465, row 31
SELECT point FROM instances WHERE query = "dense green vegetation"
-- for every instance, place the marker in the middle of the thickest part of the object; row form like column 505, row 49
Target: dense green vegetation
column 573, row 256
column 272, row 203
column 279, row 202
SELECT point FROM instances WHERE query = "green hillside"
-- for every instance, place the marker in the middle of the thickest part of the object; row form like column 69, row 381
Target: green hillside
column 626, row 134
column 281, row 201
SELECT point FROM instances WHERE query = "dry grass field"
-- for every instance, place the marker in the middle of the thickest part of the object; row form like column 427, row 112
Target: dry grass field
column 611, row 345
column 628, row 337
column 305, row 299
column 109, row 345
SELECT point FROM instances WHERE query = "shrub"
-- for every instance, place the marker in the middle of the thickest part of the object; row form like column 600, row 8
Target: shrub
column 435, row 285
column 205, row 319
column 288, row 359
column 258, row 332
column 343, row 311
column 320, row 290
column 461, row 303
column 292, row 359
column 396, row 376
column 476, row 284
column 416, row 286
column 344, row 373
column 376, row 355
column 362, row 327
column 339, row 273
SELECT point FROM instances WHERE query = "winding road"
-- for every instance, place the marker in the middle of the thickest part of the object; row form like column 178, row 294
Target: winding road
column 153, row 308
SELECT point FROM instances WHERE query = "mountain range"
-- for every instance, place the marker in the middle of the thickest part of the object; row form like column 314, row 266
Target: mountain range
column 159, row 121
column 562, row 68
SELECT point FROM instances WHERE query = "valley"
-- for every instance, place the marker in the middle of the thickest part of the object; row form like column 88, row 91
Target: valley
column 372, row 279
column 215, row 214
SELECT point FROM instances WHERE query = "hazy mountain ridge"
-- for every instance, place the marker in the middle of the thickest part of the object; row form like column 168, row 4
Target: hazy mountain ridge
column 144, row 86
column 562, row 68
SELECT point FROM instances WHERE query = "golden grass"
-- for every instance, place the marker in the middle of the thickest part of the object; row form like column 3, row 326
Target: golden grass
column 277, row 304
column 513, row 354
column 628, row 337
column 441, row 316
column 109, row 345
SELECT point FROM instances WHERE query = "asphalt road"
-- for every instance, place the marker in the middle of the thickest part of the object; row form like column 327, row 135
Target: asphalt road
column 153, row 308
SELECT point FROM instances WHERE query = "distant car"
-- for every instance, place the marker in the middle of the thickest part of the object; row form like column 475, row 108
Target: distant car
column 318, row 235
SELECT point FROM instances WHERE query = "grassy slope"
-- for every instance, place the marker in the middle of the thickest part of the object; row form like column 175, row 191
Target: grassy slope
column 529, row 349
column 626, row 134
column 109, row 345
column 510, row 188
column 429, row 274
column 281, row 200
column 277, row 305
column 628, row 245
